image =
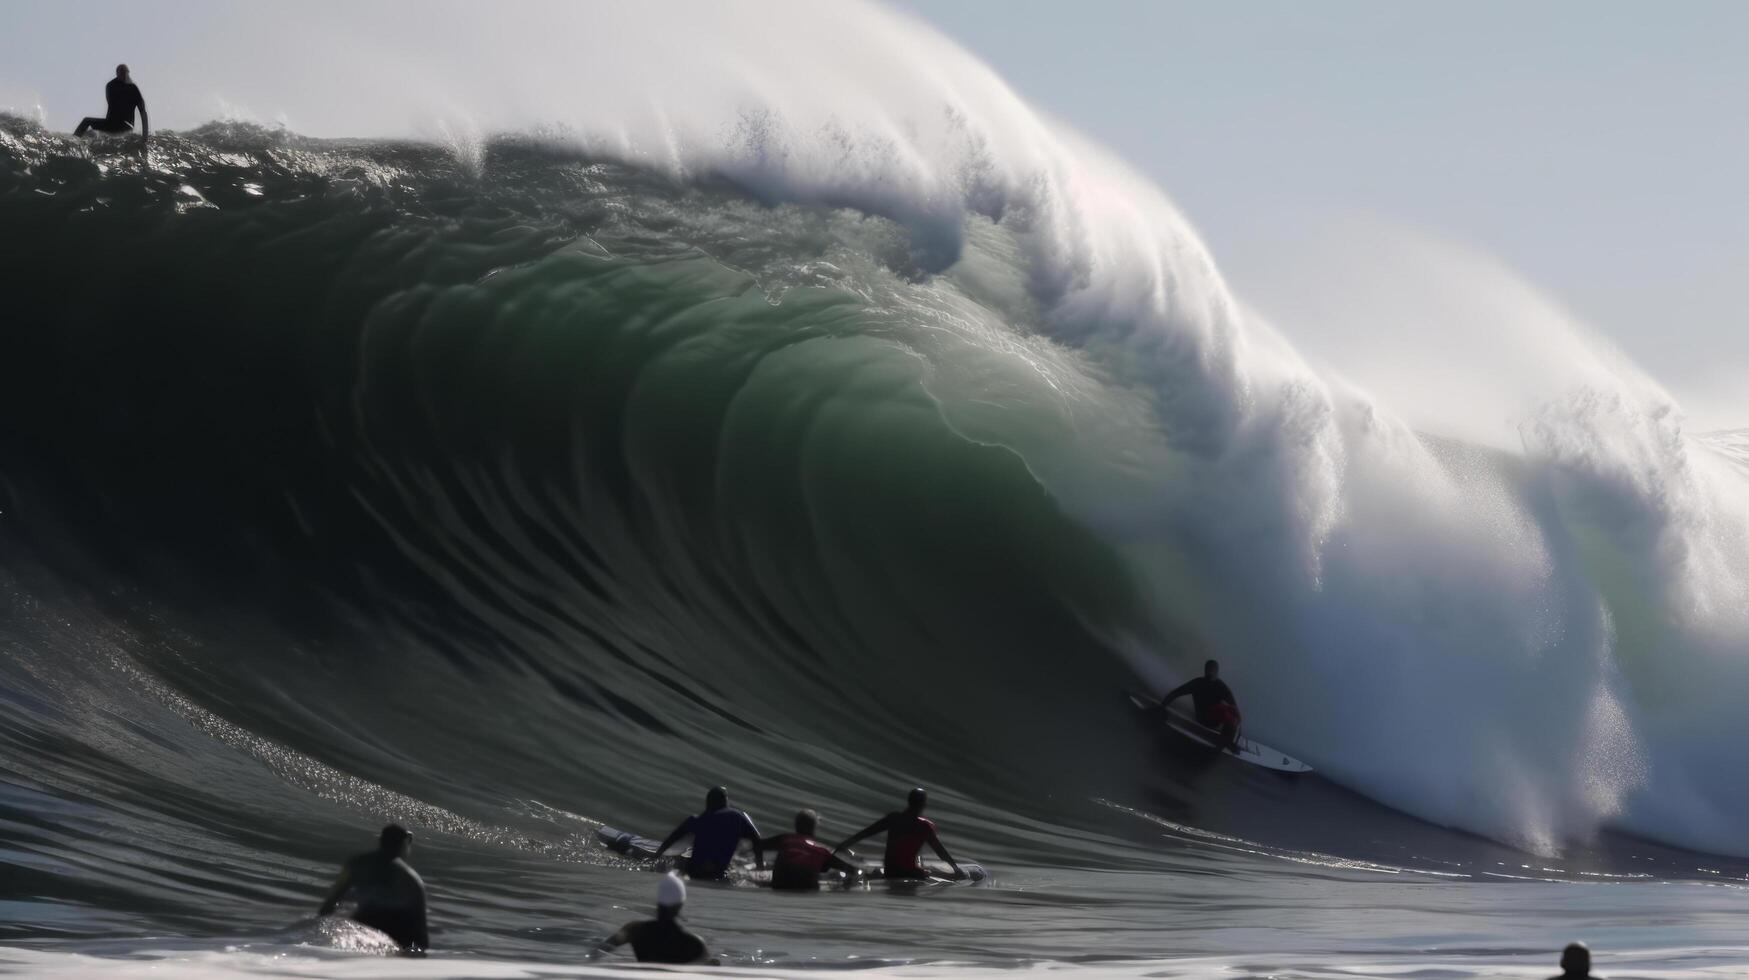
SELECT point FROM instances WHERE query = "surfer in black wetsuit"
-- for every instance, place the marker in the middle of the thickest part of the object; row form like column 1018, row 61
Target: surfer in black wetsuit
column 662, row 939
column 1575, row 962
column 390, row 895
column 1214, row 702
column 124, row 98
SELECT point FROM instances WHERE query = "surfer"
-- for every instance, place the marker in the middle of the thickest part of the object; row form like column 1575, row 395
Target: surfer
column 801, row 859
column 123, row 97
column 390, row 895
column 716, row 834
column 907, row 831
column 1575, row 962
column 1213, row 700
column 662, row 939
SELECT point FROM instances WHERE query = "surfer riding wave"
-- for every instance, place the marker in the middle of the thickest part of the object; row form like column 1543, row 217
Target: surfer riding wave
column 1213, row 701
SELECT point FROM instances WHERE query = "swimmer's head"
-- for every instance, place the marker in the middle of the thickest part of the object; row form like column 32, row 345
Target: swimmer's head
column 1576, row 959
column 1211, row 669
column 917, row 800
column 670, row 893
column 807, row 822
column 395, row 840
column 121, row 72
column 716, row 799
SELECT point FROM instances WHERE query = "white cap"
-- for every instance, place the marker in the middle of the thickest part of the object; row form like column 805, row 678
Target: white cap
column 671, row 890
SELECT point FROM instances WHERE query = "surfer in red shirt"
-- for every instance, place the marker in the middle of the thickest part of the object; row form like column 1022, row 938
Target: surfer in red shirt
column 907, row 832
column 801, row 859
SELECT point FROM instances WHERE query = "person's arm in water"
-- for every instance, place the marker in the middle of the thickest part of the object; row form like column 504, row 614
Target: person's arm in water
column 941, row 852
column 837, row 863
column 422, row 939
column 865, row 833
column 342, row 885
column 674, row 838
column 613, row 942
column 704, row 955
column 751, row 833
column 764, row 844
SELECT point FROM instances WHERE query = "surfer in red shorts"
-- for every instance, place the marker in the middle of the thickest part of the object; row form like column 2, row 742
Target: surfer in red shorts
column 801, row 859
column 1214, row 702
column 907, row 832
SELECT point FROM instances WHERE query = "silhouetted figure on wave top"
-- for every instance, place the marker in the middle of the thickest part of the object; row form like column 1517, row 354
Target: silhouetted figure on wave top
column 124, row 99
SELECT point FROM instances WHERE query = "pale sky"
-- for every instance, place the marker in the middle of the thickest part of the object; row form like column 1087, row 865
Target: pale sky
column 1597, row 150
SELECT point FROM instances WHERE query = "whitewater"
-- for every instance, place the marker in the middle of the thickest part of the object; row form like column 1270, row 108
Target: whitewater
column 538, row 441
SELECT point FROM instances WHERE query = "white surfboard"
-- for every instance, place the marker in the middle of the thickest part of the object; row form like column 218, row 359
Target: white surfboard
column 1244, row 749
column 631, row 845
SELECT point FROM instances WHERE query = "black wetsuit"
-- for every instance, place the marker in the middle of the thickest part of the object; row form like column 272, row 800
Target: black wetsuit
column 1204, row 694
column 124, row 99
column 391, row 898
column 664, row 941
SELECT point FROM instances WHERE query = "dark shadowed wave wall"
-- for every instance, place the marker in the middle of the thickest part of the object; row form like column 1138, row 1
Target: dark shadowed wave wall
column 474, row 498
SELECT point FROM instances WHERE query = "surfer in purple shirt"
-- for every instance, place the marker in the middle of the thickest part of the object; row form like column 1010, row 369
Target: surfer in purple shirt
column 716, row 834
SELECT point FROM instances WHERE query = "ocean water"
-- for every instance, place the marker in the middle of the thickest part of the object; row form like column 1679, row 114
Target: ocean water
column 821, row 442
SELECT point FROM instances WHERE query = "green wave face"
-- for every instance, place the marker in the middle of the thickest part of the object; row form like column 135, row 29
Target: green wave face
column 581, row 455
column 473, row 482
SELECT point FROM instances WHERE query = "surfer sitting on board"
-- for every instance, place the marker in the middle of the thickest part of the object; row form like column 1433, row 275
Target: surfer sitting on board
column 716, row 834
column 801, row 858
column 662, row 939
column 1214, row 702
column 390, row 895
column 907, row 832
column 124, row 99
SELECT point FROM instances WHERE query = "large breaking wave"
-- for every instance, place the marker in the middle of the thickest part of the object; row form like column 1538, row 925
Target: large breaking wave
column 823, row 444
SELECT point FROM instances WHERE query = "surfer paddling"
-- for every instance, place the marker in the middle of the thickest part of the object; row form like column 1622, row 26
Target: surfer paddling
column 390, row 895
column 1213, row 700
column 662, row 939
column 716, row 834
column 124, row 98
column 907, row 831
column 801, row 859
